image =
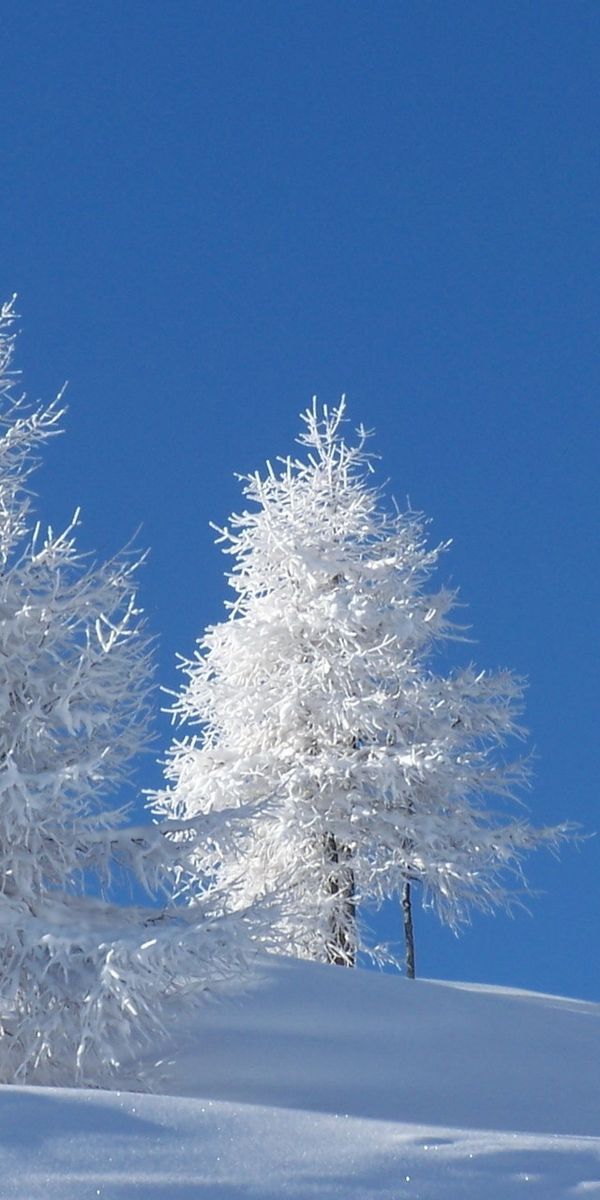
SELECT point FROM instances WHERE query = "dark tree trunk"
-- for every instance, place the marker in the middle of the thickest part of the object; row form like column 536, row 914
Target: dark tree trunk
column 342, row 947
column 409, row 936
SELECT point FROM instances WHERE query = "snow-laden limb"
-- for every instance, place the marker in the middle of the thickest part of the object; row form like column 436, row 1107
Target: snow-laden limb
column 85, row 984
column 81, row 980
column 317, row 697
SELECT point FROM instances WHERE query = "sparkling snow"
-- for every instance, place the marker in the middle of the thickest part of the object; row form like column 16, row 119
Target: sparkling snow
column 322, row 1083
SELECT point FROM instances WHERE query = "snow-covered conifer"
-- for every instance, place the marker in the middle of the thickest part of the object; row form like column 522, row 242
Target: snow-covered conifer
column 82, row 980
column 317, row 699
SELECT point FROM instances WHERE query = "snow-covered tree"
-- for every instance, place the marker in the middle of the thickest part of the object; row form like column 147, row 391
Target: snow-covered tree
column 82, row 980
column 317, row 698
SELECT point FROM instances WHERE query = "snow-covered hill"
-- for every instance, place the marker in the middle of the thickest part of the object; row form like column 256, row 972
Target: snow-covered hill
column 323, row 1083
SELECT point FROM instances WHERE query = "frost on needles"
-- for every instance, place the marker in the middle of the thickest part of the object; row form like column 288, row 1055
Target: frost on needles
column 317, row 700
column 83, row 981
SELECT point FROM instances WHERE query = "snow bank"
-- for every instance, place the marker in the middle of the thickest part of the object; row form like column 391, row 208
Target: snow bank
column 322, row 1083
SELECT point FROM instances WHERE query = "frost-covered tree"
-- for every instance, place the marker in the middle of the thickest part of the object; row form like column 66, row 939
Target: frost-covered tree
column 317, row 698
column 82, row 980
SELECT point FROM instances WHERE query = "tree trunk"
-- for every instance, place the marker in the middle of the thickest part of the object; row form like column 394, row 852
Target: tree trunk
column 409, row 936
column 342, row 946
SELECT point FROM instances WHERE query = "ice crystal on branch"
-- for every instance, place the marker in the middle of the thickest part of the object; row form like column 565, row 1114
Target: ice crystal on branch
column 317, row 698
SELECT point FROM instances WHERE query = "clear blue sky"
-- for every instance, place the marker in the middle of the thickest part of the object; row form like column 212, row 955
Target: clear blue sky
column 212, row 211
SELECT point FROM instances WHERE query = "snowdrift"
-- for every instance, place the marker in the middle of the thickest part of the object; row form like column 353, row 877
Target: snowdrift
column 320, row 1083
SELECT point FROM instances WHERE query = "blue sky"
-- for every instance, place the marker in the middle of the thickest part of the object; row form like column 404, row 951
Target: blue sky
column 212, row 211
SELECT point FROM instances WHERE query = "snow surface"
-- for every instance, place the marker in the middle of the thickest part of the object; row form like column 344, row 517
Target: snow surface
column 321, row 1083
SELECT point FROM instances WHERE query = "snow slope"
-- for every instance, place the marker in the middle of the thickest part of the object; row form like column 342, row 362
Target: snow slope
column 322, row 1083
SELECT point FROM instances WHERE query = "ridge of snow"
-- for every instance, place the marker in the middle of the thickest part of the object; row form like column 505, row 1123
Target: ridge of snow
column 324, row 1084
